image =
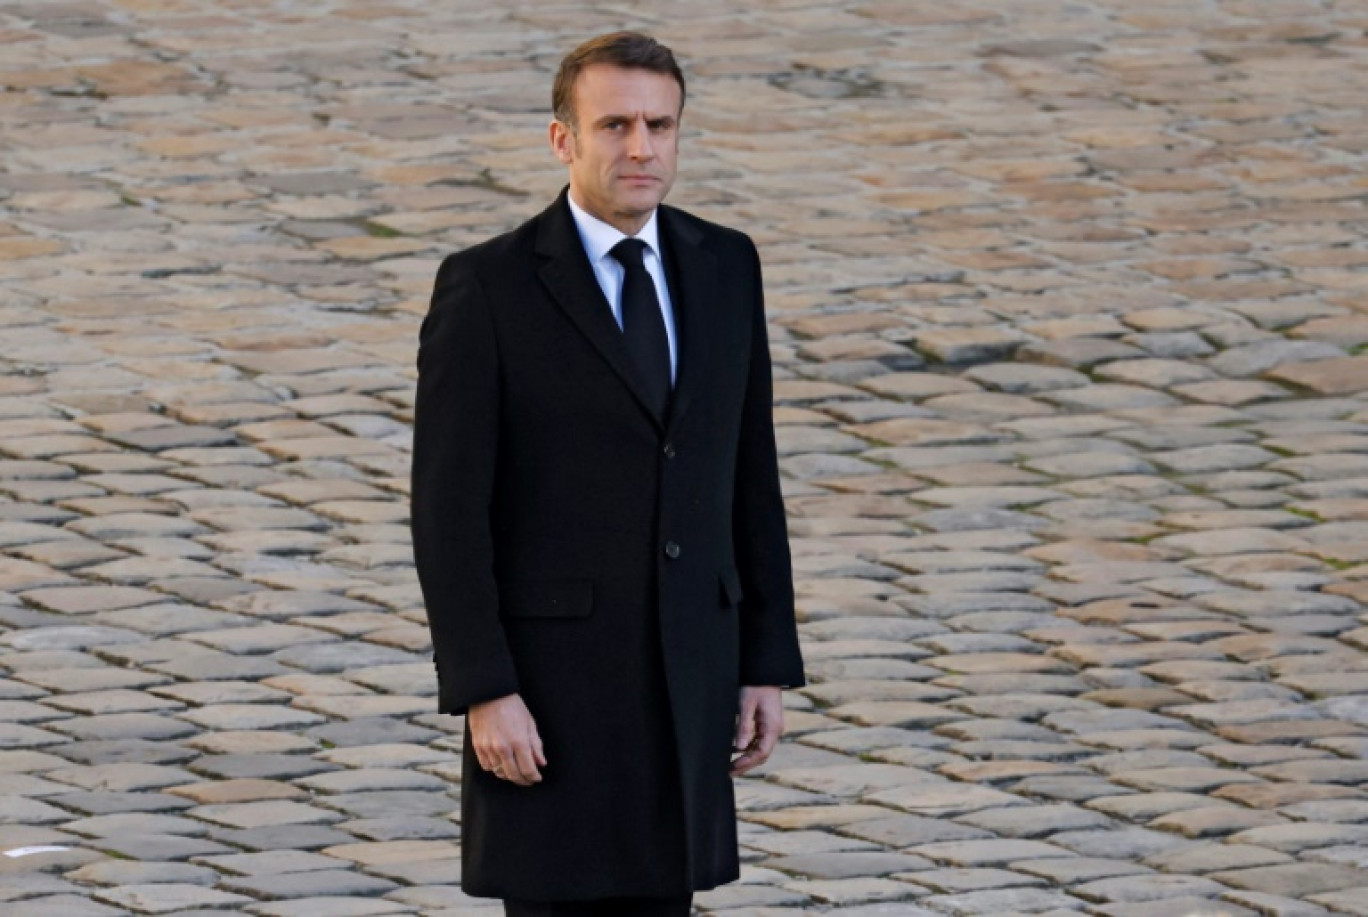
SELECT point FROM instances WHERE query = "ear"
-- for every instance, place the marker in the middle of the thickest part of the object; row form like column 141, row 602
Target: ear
column 562, row 141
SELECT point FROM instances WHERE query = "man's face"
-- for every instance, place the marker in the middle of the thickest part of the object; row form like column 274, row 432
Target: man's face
column 623, row 151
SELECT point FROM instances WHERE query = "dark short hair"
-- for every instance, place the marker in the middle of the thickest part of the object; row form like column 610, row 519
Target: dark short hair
column 631, row 50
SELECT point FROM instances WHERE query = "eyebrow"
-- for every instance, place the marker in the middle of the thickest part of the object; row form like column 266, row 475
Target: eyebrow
column 650, row 119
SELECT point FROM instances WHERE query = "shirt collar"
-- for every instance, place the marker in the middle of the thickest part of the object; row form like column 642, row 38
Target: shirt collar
column 599, row 237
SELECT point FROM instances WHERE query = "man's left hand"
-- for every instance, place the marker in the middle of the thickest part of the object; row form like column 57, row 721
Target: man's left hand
column 758, row 727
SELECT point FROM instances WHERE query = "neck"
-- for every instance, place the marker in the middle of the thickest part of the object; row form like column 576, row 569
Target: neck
column 628, row 223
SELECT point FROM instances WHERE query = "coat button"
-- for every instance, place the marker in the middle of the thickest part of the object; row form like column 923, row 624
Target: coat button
column 670, row 450
column 671, row 550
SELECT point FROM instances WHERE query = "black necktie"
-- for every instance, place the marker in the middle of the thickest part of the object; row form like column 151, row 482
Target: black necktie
column 643, row 325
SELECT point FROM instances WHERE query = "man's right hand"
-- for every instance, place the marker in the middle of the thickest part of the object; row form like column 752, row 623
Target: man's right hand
column 506, row 740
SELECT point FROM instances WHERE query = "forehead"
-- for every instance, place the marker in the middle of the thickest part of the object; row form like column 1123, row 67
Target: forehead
column 608, row 89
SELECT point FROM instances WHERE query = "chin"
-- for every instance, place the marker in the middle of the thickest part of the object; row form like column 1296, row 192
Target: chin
column 640, row 203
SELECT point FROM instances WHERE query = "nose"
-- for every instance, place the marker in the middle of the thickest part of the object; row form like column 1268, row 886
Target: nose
column 639, row 145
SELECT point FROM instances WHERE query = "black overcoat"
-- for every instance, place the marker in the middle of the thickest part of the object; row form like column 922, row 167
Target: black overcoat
column 623, row 572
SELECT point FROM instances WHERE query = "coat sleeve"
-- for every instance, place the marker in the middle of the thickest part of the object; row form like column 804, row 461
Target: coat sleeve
column 769, row 633
column 455, row 450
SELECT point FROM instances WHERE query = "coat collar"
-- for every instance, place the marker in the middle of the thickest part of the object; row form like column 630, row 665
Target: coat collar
column 569, row 278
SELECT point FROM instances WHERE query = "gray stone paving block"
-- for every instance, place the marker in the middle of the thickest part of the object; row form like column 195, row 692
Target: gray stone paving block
column 74, row 600
column 1353, row 810
column 901, row 909
column 370, row 731
column 226, row 716
column 122, row 872
column 33, row 885
column 165, row 898
column 391, row 803
column 1256, row 358
column 1078, row 353
column 1071, row 870
column 371, row 779
column 843, row 865
column 120, row 751
column 739, row 898
column 156, row 848
column 116, row 526
column 1349, row 900
column 282, row 837
column 71, row 637
column 1035, row 821
column 169, row 619
column 117, row 726
column 1018, row 378
column 329, row 907
column 421, row 872
column 415, row 679
column 273, row 813
column 1121, row 843
column 208, row 666
column 270, row 863
column 21, row 810
column 1349, row 855
column 1178, row 907
column 948, row 881
column 1025, row 705
column 1147, row 888
column 988, row 852
column 292, row 603
column 1294, row 838
column 110, row 803
column 1171, row 345
column 1001, row 901
column 117, row 700
column 338, row 657
column 944, row 799
column 71, row 905
column 1295, row 880
column 843, row 892
column 202, row 590
column 311, row 884
column 856, row 740
column 122, row 824
column 1275, row 905
column 404, row 828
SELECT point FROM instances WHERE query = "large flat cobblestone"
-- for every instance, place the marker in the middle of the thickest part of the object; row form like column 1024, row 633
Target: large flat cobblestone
column 1069, row 314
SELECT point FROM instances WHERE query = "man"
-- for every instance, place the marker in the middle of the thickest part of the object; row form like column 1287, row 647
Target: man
column 597, row 519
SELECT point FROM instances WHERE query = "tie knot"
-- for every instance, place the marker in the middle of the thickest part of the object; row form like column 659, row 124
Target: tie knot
column 629, row 252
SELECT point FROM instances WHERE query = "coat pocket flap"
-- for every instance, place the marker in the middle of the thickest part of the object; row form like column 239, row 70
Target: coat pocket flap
column 731, row 586
column 562, row 598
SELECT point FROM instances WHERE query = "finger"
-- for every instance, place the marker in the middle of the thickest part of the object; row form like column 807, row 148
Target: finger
column 764, row 746
column 500, row 760
column 538, row 752
column 483, row 758
column 747, row 762
column 504, row 769
column 771, row 728
column 525, row 771
column 745, row 725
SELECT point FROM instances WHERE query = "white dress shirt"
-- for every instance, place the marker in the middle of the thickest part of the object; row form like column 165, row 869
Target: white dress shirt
column 599, row 238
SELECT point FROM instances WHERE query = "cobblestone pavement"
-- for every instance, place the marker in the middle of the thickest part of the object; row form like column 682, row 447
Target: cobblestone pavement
column 1069, row 306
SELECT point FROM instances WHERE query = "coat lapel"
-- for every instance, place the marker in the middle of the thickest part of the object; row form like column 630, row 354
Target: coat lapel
column 569, row 278
column 694, row 296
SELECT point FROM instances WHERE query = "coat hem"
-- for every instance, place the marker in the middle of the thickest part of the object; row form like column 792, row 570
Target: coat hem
column 497, row 890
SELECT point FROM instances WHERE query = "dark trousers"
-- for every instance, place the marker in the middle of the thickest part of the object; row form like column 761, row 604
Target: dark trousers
column 677, row 906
